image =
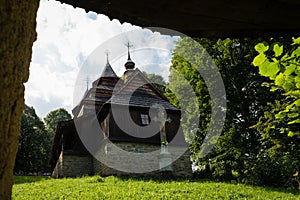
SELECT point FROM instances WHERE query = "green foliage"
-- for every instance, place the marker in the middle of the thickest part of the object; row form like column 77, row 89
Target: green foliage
column 278, row 50
column 157, row 80
column 35, row 140
column 272, row 170
column 34, row 148
column 184, row 81
column 279, row 125
column 278, row 158
column 239, row 143
column 283, row 67
column 254, row 146
column 139, row 188
column 261, row 47
column 52, row 119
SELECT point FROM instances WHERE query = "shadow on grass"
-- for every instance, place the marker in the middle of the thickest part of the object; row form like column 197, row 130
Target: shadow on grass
column 29, row 179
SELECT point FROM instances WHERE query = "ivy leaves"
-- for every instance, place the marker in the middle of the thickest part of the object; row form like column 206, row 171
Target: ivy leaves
column 267, row 68
column 261, row 47
column 283, row 67
column 278, row 50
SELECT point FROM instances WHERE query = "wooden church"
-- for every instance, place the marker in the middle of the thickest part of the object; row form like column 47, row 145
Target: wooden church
column 122, row 126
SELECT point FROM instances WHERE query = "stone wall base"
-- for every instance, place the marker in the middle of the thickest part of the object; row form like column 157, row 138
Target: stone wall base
column 124, row 159
column 73, row 165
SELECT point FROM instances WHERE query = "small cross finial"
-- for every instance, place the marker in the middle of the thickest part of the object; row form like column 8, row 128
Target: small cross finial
column 128, row 45
column 107, row 53
column 87, row 82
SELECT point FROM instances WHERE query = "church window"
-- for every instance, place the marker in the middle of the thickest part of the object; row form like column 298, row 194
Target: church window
column 145, row 119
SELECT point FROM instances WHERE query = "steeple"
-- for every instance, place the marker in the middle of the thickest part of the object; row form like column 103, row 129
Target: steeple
column 108, row 71
column 107, row 53
column 129, row 64
column 87, row 82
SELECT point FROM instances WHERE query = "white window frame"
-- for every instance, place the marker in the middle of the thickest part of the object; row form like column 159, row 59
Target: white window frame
column 145, row 119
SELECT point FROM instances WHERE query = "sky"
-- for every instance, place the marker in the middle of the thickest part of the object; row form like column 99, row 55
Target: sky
column 69, row 54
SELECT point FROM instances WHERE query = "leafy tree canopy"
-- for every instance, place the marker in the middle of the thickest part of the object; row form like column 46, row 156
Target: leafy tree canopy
column 34, row 146
column 157, row 80
column 239, row 144
column 279, row 125
column 281, row 64
column 55, row 116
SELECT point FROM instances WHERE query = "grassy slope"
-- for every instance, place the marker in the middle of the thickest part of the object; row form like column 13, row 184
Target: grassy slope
column 126, row 188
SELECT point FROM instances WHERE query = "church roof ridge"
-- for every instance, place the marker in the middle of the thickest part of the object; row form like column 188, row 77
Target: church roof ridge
column 135, row 73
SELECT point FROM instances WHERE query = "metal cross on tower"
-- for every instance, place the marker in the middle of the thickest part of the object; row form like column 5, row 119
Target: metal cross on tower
column 87, row 82
column 128, row 45
column 107, row 54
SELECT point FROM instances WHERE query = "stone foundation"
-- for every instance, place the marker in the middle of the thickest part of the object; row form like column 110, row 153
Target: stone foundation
column 73, row 165
column 123, row 159
column 138, row 159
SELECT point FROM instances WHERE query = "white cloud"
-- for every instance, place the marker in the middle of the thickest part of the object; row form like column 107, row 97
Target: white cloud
column 66, row 37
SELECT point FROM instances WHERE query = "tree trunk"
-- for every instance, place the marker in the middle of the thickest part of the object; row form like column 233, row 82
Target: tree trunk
column 17, row 34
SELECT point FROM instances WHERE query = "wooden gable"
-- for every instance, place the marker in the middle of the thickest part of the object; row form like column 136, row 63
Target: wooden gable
column 138, row 84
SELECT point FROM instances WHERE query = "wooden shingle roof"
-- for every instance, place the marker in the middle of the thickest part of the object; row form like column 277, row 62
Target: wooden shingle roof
column 140, row 101
column 108, row 71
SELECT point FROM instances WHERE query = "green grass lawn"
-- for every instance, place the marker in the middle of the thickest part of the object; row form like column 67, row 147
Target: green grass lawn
column 139, row 188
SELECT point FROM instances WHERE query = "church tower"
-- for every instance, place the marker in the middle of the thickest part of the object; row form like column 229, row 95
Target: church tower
column 129, row 65
column 101, row 91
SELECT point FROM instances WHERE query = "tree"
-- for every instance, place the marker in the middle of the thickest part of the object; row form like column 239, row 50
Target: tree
column 283, row 69
column 52, row 119
column 187, row 90
column 15, row 51
column 239, row 143
column 35, row 141
column 34, row 147
column 157, row 80
column 278, row 159
column 279, row 126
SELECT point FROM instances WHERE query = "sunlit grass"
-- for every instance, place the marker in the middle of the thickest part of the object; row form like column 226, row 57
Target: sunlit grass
column 97, row 187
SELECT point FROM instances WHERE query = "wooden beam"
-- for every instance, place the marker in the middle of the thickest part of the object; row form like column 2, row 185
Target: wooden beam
column 214, row 18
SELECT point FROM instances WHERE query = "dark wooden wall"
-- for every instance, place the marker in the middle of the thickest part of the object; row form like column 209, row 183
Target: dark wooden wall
column 116, row 134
